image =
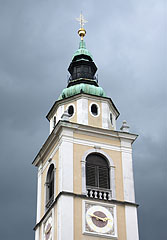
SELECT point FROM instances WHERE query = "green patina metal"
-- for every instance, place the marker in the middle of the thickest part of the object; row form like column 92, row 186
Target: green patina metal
column 79, row 87
column 82, row 50
column 82, row 88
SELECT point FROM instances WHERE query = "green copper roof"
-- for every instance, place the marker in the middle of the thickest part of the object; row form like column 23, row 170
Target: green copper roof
column 82, row 50
column 82, row 87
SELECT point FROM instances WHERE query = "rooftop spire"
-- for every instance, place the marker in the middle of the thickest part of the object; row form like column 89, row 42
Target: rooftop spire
column 82, row 21
column 82, row 70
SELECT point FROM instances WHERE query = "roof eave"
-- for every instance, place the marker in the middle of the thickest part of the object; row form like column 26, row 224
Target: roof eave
column 80, row 127
column 49, row 115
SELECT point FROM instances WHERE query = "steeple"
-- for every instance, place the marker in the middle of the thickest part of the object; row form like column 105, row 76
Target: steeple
column 82, row 70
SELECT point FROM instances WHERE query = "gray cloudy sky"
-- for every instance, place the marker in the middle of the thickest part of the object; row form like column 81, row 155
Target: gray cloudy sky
column 37, row 40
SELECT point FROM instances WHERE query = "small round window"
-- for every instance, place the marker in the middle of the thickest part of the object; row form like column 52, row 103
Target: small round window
column 70, row 110
column 94, row 109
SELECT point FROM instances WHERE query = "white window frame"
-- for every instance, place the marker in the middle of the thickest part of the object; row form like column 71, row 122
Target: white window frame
column 71, row 104
column 111, row 172
column 54, row 171
column 98, row 109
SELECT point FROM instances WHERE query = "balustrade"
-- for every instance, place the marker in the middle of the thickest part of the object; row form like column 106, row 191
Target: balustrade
column 104, row 194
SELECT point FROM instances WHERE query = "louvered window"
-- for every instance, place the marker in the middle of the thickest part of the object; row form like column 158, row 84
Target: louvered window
column 50, row 186
column 103, row 177
column 91, row 175
column 97, row 171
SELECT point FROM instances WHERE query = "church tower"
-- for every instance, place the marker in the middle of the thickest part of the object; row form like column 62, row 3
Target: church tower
column 85, row 187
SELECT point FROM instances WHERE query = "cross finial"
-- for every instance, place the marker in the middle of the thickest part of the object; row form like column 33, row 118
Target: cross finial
column 81, row 20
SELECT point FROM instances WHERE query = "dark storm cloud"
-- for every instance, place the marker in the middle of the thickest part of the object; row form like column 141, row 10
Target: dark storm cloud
column 37, row 40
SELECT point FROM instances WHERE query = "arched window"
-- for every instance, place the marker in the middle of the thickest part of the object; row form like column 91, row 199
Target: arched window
column 97, row 171
column 50, row 186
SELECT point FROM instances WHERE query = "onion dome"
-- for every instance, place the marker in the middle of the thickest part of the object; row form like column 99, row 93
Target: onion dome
column 82, row 88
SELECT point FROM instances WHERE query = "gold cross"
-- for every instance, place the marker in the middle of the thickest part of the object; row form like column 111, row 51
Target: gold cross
column 81, row 20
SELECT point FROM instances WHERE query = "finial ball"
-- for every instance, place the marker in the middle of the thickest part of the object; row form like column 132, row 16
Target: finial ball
column 82, row 33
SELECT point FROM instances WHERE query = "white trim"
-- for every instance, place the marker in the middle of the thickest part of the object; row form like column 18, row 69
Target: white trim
column 53, row 222
column 127, row 171
column 51, row 157
column 82, row 96
column 65, row 218
column 42, row 229
column 59, row 112
column 131, row 223
column 98, row 109
column 111, row 165
column 79, row 129
column 112, row 181
column 82, row 111
column 37, row 234
column 59, row 219
column 97, row 150
column 66, row 163
column 93, row 144
column 83, row 167
column 71, row 104
column 39, row 192
column 45, row 189
column 105, row 115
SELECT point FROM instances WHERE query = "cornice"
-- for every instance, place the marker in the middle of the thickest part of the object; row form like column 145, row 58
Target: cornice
column 57, row 134
column 77, row 96
column 113, row 201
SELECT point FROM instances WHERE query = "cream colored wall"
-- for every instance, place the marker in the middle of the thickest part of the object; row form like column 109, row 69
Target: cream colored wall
column 121, row 225
column 100, row 139
column 79, row 151
column 92, row 120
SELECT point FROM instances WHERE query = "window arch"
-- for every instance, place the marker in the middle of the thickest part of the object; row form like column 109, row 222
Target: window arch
column 98, row 151
column 50, row 186
column 97, row 171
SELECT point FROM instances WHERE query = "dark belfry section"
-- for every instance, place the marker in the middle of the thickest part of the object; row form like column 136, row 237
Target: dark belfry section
column 82, row 69
column 97, row 172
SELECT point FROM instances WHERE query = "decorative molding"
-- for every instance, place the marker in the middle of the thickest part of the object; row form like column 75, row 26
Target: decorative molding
column 81, row 96
column 61, row 126
column 114, row 201
column 111, row 165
